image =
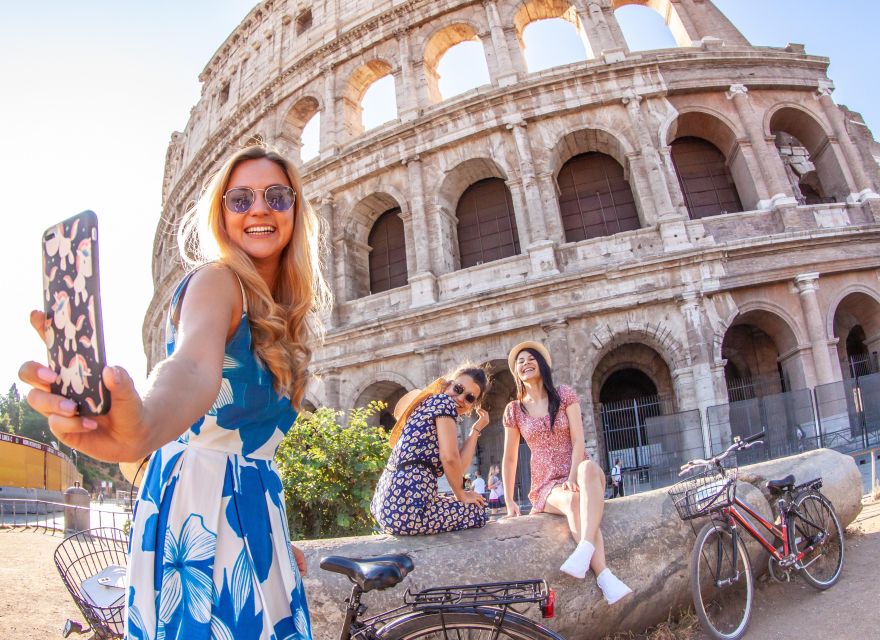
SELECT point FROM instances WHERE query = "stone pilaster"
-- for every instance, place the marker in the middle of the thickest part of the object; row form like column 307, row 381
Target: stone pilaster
column 506, row 73
column 807, row 284
column 405, row 84
column 329, row 143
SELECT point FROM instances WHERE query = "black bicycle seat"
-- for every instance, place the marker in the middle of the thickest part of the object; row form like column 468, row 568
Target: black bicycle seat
column 378, row 572
column 783, row 484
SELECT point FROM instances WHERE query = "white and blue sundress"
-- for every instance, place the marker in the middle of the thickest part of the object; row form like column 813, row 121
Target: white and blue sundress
column 210, row 549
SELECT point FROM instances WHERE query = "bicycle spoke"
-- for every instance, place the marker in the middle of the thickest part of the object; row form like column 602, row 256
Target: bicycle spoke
column 817, row 533
column 721, row 583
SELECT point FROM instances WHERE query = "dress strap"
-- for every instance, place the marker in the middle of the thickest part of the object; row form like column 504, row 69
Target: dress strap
column 184, row 283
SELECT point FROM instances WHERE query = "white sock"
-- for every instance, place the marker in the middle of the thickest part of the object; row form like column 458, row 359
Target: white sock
column 578, row 563
column 612, row 587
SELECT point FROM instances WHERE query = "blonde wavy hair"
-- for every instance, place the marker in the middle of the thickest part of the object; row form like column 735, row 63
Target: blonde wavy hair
column 285, row 320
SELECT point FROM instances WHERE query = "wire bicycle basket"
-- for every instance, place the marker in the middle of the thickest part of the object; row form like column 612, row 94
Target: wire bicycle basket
column 93, row 565
column 709, row 489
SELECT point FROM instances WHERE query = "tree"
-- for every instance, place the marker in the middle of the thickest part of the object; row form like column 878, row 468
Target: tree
column 10, row 411
column 329, row 472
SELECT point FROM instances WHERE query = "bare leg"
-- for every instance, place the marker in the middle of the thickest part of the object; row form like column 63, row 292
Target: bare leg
column 591, row 485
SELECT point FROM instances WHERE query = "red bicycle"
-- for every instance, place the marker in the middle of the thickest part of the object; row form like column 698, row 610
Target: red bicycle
column 806, row 537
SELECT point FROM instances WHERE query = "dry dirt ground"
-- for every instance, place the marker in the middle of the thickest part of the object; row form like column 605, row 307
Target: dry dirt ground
column 35, row 604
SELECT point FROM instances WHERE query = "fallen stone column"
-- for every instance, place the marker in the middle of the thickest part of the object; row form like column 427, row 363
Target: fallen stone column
column 646, row 544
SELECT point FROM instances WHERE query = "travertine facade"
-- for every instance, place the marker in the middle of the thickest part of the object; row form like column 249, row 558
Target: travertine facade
column 777, row 288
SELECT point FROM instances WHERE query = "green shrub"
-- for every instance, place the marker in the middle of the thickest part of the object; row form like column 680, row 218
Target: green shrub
column 329, row 472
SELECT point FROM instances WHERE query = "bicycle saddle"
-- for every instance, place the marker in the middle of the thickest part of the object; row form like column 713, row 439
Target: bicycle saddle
column 378, row 572
column 783, row 484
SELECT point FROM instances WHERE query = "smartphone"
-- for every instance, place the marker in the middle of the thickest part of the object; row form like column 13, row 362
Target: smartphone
column 72, row 301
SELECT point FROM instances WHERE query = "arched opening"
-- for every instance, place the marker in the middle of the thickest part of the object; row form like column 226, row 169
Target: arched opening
column 298, row 120
column 809, row 158
column 385, row 391
column 857, row 329
column 311, row 139
column 369, row 98
column 486, row 223
column 569, row 43
column 753, row 366
column 595, row 198
column 454, row 62
column 644, row 27
column 469, row 56
column 387, row 252
column 706, row 182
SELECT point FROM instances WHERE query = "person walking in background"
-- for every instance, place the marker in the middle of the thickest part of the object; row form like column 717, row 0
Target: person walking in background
column 564, row 480
column 478, row 484
column 496, row 490
column 210, row 547
column 425, row 440
column 617, row 479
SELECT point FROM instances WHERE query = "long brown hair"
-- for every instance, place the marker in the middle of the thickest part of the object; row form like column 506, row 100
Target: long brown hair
column 287, row 318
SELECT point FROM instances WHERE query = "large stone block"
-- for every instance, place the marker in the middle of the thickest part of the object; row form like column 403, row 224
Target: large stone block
column 647, row 545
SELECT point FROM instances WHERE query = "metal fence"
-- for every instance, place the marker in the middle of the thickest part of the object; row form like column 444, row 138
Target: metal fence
column 52, row 517
column 849, row 413
column 787, row 419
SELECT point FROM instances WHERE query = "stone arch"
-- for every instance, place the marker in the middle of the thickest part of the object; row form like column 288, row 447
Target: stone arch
column 532, row 11
column 809, row 131
column 668, row 12
column 387, row 386
column 360, row 221
column 438, row 43
column 295, row 120
column 463, row 175
column 726, row 193
column 359, row 81
column 854, row 320
column 763, row 354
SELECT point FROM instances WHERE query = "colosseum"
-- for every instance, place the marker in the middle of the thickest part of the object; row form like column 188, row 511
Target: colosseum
column 693, row 231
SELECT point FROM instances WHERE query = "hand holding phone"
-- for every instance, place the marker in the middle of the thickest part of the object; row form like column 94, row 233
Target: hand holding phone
column 71, row 296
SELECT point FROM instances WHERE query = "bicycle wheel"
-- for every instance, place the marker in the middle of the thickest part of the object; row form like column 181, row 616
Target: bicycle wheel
column 721, row 582
column 475, row 624
column 814, row 524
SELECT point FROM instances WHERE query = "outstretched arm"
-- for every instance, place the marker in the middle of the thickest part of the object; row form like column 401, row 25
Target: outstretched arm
column 453, row 462
column 508, row 468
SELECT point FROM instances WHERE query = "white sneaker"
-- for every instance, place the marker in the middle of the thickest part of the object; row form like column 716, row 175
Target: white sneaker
column 612, row 587
column 578, row 563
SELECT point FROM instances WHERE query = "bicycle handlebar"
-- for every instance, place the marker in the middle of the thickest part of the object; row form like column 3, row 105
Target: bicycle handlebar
column 739, row 444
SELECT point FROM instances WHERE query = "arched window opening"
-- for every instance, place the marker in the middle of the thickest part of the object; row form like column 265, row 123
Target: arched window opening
column 311, row 138
column 644, row 29
column 705, row 180
column 595, row 198
column 462, row 68
column 486, row 223
column 387, row 253
column 554, row 42
column 379, row 103
column 801, row 170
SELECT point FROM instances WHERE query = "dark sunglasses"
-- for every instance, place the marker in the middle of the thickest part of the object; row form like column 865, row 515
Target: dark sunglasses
column 458, row 389
column 278, row 197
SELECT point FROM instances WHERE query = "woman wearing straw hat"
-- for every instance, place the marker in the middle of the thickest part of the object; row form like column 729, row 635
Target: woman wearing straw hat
column 564, row 480
column 425, row 441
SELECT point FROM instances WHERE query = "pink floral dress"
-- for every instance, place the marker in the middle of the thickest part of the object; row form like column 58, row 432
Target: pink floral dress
column 551, row 448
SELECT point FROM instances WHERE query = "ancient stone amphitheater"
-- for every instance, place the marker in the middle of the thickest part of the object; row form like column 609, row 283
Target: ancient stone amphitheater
column 685, row 227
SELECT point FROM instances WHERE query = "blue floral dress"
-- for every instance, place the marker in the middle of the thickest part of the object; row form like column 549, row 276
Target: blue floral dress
column 406, row 501
column 209, row 548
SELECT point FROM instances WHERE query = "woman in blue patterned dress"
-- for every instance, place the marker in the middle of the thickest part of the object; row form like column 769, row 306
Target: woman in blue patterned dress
column 210, row 549
column 425, row 440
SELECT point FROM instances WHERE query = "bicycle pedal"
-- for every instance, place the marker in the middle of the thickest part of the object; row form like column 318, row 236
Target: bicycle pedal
column 72, row 627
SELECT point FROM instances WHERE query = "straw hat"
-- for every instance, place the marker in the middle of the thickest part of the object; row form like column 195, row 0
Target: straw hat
column 404, row 402
column 528, row 344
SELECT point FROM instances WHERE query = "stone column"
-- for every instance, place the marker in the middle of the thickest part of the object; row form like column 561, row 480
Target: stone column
column 557, row 344
column 770, row 181
column 860, row 182
column 423, row 283
column 430, row 365
column 670, row 221
column 333, row 388
column 807, row 284
column 407, row 95
column 327, row 212
column 535, row 238
column 506, row 72
column 328, row 144
column 606, row 40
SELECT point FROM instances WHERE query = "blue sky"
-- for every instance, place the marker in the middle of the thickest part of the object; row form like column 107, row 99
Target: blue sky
column 93, row 90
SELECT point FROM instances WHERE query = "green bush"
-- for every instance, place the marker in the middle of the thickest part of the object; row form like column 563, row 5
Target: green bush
column 329, row 472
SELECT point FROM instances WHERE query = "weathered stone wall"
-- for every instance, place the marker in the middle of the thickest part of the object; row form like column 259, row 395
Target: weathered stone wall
column 674, row 286
column 647, row 545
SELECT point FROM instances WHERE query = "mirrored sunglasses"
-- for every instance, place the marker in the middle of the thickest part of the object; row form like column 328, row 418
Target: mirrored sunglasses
column 458, row 389
column 278, row 197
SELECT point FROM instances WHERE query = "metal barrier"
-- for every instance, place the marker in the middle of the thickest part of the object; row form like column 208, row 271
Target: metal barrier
column 50, row 516
column 849, row 413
